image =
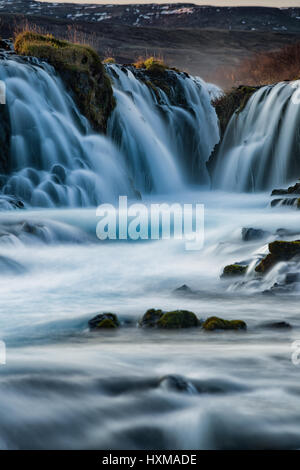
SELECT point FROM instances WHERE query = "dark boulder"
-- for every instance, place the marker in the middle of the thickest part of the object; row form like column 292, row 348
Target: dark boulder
column 234, row 270
column 215, row 323
column 279, row 251
column 104, row 320
column 249, row 234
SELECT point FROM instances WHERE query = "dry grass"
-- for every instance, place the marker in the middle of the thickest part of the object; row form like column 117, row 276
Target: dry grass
column 266, row 68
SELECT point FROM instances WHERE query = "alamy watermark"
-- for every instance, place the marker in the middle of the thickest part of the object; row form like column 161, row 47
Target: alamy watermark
column 157, row 221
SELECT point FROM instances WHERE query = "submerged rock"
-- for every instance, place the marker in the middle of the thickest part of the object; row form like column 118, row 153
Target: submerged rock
column 104, row 320
column 215, row 323
column 290, row 190
column 184, row 289
column 150, row 318
column 249, row 234
column 279, row 251
column 288, row 201
column 176, row 383
column 278, row 325
column 169, row 320
column 234, row 270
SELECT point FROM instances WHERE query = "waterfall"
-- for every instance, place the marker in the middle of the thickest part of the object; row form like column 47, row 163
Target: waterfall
column 152, row 145
column 261, row 146
column 166, row 145
column 56, row 159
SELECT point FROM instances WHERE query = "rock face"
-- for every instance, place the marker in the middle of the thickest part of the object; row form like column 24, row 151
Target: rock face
column 158, row 76
column 104, row 320
column 231, row 102
column 279, row 251
column 215, row 323
column 169, row 320
column 81, row 70
column 290, row 190
column 234, row 270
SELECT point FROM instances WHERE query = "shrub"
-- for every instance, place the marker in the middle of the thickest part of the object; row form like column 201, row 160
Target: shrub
column 109, row 60
column 266, row 67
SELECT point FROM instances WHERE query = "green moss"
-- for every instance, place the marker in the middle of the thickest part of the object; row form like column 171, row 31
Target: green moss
column 215, row 323
column 150, row 318
column 234, row 270
column 106, row 324
column 80, row 68
column 178, row 319
column 104, row 320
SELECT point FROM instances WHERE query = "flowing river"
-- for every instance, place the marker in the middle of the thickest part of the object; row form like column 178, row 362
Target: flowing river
column 65, row 387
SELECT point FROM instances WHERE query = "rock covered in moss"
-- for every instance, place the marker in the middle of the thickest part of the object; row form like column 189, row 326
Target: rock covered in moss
column 178, row 319
column 81, row 70
column 279, row 251
column 104, row 320
column 234, row 270
column 216, row 323
column 150, row 318
column 231, row 102
column 169, row 320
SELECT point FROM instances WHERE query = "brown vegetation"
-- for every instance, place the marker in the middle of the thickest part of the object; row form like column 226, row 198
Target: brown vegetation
column 266, row 67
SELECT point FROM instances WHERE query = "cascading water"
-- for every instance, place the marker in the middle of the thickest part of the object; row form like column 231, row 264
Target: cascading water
column 56, row 159
column 261, row 146
column 166, row 146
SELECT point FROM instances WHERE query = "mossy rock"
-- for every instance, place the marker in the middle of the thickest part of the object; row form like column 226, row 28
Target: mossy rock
column 178, row 319
column 81, row 70
column 233, row 101
column 279, row 251
column 234, row 270
column 215, row 323
column 150, row 318
column 104, row 320
column 106, row 324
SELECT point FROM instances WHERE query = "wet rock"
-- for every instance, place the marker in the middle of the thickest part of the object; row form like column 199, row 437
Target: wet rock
column 150, row 318
column 290, row 278
column 290, row 201
column 215, row 323
column 291, row 190
column 249, row 234
column 277, row 325
column 184, row 289
column 169, row 320
column 176, row 383
column 232, row 102
column 279, row 251
column 10, row 203
column 178, row 319
column 234, row 270
column 104, row 320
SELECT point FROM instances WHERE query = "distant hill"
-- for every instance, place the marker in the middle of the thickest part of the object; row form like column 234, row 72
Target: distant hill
column 200, row 40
